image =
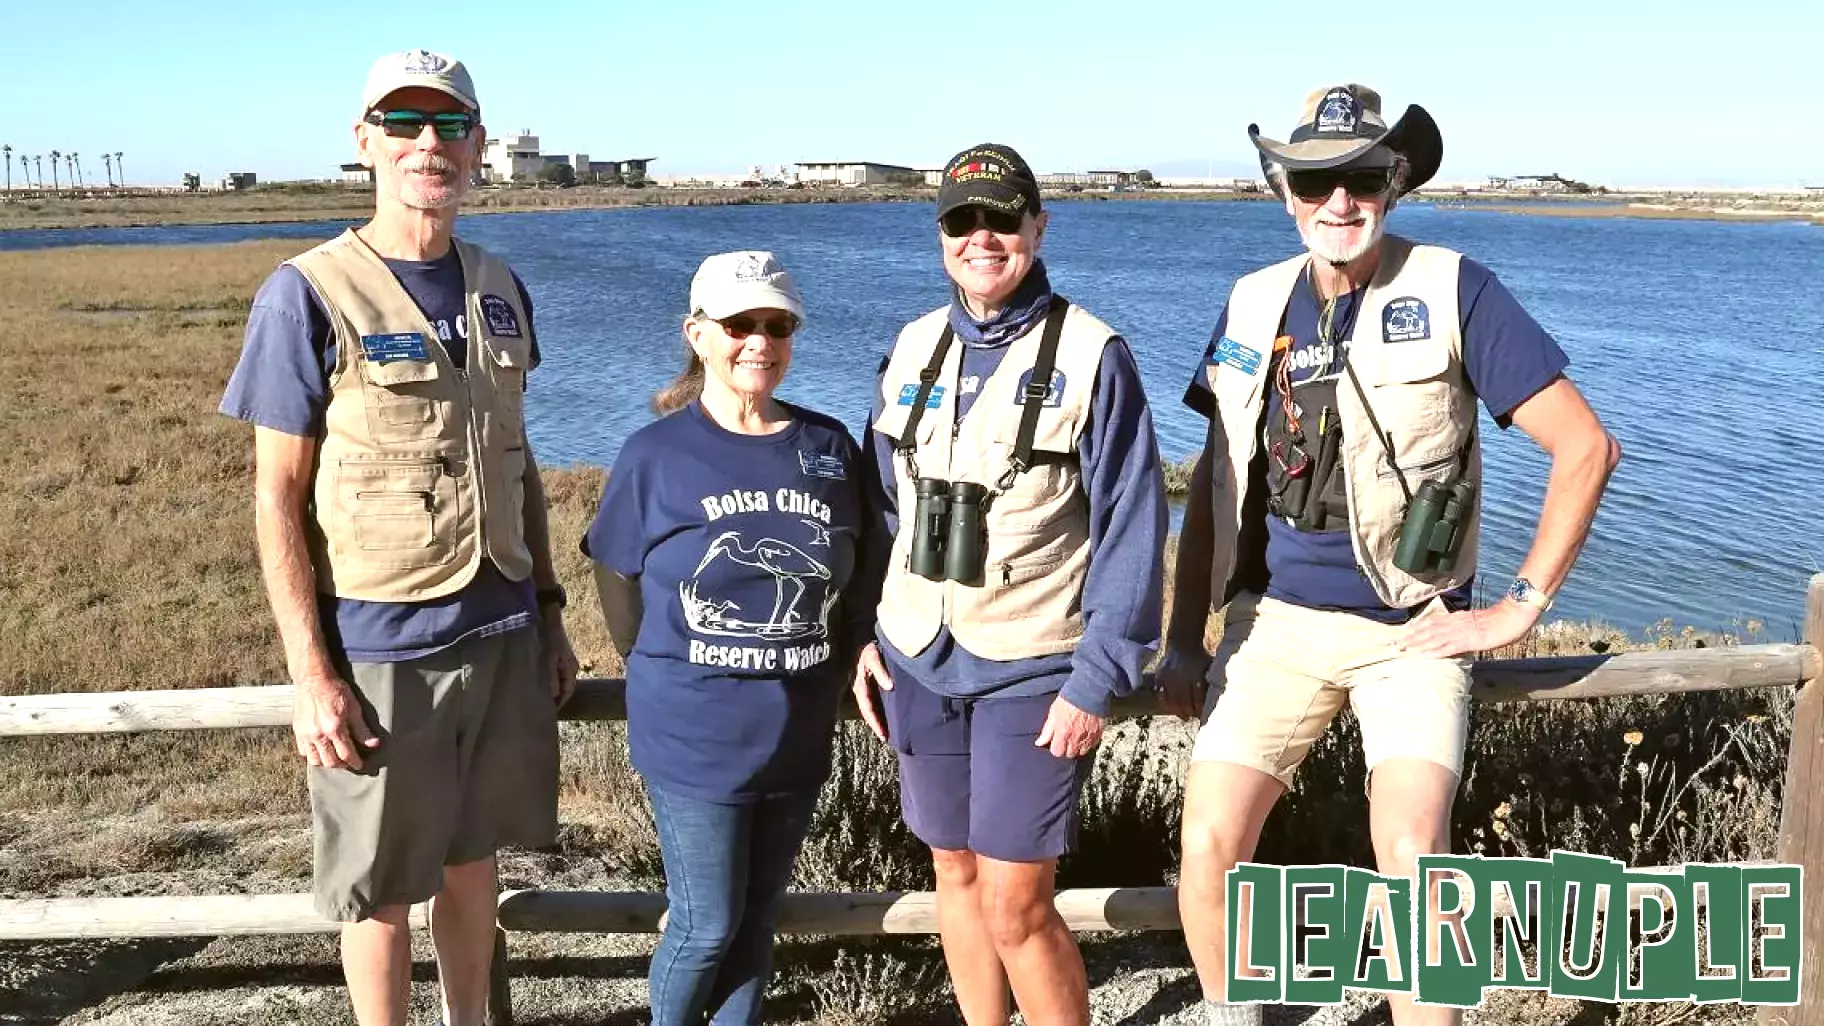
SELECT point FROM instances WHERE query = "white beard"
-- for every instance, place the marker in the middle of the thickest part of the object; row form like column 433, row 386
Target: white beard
column 1321, row 250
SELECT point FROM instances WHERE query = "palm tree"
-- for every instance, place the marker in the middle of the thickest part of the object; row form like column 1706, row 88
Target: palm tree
column 38, row 159
column 107, row 161
column 69, row 164
column 121, row 168
column 56, row 155
column 76, row 159
column 8, row 149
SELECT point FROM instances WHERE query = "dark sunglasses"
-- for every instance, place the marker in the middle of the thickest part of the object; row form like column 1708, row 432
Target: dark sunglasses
column 965, row 220
column 742, row 325
column 409, row 124
column 1361, row 183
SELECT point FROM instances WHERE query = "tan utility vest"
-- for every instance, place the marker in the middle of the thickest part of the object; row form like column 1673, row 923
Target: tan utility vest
column 1030, row 602
column 419, row 477
column 1407, row 349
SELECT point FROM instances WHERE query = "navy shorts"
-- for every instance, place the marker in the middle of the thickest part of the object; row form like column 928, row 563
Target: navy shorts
column 971, row 779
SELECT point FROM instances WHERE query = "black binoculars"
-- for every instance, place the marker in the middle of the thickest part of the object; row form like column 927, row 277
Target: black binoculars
column 950, row 532
column 1431, row 535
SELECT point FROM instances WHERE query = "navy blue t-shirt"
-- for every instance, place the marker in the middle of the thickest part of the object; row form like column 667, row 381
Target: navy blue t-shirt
column 1508, row 359
column 745, row 549
column 282, row 383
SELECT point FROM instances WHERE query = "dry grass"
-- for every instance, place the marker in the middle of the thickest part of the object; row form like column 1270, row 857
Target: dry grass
column 304, row 202
column 127, row 562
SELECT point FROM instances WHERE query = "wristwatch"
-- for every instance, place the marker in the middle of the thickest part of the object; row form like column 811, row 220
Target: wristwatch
column 553, row 596
column 1524, row 592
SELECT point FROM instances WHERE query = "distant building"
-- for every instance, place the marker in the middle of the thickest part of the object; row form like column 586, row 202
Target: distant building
column 511, row 157
column 1092, row 179
column 356, row 174
column 234, row 181
column 860, row 172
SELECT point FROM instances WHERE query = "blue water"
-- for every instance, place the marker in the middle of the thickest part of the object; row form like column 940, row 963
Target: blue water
column 1697, row 343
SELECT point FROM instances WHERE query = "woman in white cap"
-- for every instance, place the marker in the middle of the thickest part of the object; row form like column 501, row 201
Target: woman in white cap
column 726, row 553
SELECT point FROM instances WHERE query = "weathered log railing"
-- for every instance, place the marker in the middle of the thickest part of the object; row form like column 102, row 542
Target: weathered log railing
column 1093, row 909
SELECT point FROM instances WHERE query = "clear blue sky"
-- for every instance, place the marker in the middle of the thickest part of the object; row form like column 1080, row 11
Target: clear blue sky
column 1629, row 93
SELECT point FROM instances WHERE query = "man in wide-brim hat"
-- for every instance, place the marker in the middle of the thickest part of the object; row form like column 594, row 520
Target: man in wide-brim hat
column 1333, row 515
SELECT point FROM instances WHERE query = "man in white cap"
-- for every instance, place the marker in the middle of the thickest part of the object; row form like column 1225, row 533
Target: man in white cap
column 1335, row 510
column 402, row 536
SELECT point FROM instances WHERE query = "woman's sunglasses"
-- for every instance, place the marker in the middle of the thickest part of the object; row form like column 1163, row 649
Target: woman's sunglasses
column 1361, row 183
column 965, row 220
column 742, row 325
column 409, row 124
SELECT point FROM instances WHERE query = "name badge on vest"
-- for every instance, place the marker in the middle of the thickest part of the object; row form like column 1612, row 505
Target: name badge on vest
column 384, row 349
column 824, row 465
column 1244, row 358
column 502, row 321
column 909, row 395
column 1406, row 320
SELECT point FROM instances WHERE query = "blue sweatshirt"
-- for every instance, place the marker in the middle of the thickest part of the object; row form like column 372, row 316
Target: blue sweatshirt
column 1123, row 592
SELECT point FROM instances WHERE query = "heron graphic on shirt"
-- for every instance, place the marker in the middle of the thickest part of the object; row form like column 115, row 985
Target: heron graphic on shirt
column 790, row 569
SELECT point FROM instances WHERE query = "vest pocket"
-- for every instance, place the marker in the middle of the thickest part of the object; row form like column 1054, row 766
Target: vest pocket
column 402, row 399
column 400, row 512
column 510, row 367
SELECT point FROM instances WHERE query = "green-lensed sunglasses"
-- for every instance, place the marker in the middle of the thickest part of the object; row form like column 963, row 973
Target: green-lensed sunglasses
column 409, row 124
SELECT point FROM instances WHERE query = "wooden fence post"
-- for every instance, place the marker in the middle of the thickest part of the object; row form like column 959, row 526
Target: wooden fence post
column 1802, row 824
column 500, row 990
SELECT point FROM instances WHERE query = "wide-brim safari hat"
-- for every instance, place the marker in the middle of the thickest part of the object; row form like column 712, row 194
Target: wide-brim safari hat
column 1342, row 124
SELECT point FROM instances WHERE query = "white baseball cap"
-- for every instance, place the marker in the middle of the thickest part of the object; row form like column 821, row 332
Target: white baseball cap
column 418, row 69
column 729, row 283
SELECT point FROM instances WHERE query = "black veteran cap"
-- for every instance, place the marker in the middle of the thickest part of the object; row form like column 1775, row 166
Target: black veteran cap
column 989, row 175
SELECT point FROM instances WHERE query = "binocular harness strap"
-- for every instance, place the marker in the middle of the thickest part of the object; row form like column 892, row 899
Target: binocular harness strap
column 1038, row 388
column 927, row 379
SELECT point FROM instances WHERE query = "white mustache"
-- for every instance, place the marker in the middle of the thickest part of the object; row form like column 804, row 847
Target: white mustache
column 432, row 162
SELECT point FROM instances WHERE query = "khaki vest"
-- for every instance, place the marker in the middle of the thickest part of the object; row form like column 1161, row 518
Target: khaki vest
column 1030, row 602
column 419, row 477
column 1407, row 349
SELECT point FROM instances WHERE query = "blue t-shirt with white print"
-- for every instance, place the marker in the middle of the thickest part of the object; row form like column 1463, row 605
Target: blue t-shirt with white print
column 1507, row 357
column 745, row 548
column 282, row 383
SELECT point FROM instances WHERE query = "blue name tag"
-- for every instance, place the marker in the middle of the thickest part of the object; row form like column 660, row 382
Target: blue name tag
column 909, row 395
column 1238, row 356
column 817, row 464
column 406, row 345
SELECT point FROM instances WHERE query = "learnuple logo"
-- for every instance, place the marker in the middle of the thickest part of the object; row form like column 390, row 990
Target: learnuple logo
column 1338, row 113
column 1406, row 320
column 1577, row 926
column 502, row 321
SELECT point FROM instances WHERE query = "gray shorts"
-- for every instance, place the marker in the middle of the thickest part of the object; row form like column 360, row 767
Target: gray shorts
column 467, row 764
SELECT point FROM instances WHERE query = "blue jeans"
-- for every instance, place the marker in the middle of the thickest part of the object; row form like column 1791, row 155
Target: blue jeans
column 726, row 869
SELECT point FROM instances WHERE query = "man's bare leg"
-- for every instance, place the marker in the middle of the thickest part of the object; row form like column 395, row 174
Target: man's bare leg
column 1225, row 806
column 462, row 929
column 1409, row 802
column 377, row 963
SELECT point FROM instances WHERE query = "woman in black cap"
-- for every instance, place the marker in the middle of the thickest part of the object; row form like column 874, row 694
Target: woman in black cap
column 1015, row 456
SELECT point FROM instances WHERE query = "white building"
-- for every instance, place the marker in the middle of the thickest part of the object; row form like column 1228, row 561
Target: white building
column 356, row 174
column 860, row 172
column 511, row 156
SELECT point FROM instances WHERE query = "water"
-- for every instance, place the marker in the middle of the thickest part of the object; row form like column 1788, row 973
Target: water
column 1689, row 338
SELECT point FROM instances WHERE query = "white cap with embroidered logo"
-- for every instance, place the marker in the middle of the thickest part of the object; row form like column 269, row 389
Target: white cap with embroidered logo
column 731, row 283
column 418, row 69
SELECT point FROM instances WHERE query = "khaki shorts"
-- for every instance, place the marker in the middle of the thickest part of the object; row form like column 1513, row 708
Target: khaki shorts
column 467, row 764
column 1282, row 672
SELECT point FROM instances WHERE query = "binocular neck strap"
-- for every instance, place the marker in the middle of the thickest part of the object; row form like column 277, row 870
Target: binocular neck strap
column 1038, row 389
column 927, row 380
column 1386, row 443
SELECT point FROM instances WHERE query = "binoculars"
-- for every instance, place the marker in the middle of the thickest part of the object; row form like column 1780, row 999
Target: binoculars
column 1431, row 535
column 950, row 532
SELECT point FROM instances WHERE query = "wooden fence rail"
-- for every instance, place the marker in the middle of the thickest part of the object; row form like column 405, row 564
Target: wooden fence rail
column 1125, row 908
column 1502, row 680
